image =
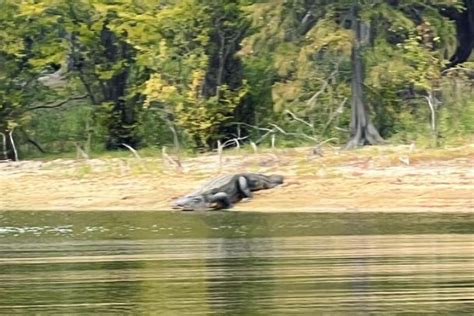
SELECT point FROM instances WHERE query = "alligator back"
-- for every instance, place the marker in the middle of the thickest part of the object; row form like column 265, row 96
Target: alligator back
column 257, row 181
column 220, row 184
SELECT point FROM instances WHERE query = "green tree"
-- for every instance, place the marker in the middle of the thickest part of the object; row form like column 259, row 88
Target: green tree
column 196, row 67
column 196, row 79
column 97, row 57
column 302, row 35
column 104, row 62
column 27, row 50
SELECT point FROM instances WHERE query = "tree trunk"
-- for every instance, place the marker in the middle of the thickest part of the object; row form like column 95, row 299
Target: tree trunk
column 8, row 149
column 123, row 118
column 363, row 132
column 464, row 32
column 3, row 138
column 225, row 67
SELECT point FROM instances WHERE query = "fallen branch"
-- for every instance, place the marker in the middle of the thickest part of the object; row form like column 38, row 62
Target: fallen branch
column 270, row 132
column 254, row 147
column 221, row 146
column 267, row 130
column 235, row 141
column 299, row 120
column 327, row 141
column 293, row 134
column 405, row 160
column 134, row 152
column 170, row 160
column 317, row 150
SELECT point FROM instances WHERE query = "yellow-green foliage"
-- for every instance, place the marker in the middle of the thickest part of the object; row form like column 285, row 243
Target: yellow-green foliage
column 151, row 66
column 200, row 117
column 327, row 34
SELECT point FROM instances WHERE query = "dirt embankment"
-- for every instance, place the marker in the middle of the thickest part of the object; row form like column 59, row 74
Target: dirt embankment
column 398, row 179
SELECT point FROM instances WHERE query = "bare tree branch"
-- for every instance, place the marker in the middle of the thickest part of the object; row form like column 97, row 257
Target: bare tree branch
column 235, row 141
column 267, row 130
column 294, row 134
column 313, row 99
column 51, row 105
column 270, row 132
column 32, row 141
column 81, row 152
column 252, row 126
column 10, row 134
column 254, row 147
column 134, row 152
column 433, row 105
column 338, row 111
column 170, row 160
column 299, row 120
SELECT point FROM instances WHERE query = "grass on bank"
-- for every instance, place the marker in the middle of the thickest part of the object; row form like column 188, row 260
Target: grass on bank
column 300, row 161
column 154, row 151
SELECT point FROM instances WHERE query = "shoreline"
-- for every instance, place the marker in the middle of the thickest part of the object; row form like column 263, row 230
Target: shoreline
column 388, row 179
column 264, row 211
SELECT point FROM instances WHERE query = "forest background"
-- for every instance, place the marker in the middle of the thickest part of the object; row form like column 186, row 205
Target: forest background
column 91, row 76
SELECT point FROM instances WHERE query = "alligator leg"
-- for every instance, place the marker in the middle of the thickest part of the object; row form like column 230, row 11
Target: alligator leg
column 222, row 200
column 244, row 187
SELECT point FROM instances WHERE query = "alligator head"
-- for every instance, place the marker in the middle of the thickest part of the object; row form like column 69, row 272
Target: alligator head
column 191, row 203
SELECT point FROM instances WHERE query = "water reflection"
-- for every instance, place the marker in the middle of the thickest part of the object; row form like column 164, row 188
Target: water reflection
column 233, row 287
column 228, row 263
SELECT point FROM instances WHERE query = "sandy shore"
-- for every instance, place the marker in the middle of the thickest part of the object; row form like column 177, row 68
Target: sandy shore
column 380, row 179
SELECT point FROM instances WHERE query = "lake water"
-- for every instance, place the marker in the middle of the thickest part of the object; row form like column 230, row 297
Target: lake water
column 172, row 263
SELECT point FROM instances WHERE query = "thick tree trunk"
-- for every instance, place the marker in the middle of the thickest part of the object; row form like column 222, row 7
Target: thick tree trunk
column 123, row 116
column 464, row 31
column 3, row 139
column 363, row 132
column 225, row 67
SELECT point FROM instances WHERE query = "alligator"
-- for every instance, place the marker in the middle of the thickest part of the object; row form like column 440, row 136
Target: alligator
column 222, row 192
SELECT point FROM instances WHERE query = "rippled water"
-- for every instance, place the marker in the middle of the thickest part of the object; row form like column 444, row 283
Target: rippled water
column 235, row 263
